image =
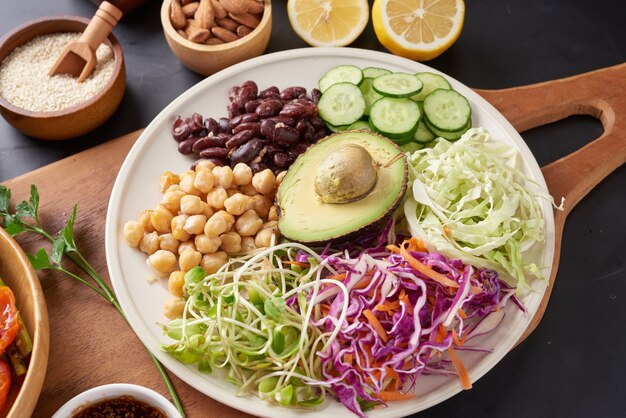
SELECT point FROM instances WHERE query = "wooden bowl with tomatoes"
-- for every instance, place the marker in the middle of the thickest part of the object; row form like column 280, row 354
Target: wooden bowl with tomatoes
column 22, row 310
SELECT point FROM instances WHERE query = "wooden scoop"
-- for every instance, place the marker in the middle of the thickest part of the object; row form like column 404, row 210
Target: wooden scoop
column 79, row 57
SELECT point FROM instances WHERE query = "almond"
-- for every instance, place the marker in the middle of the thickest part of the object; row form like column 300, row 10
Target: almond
column 204, row 15
column 213, row 41
column 218, row 9
column 182, row 33
column 199, row 36
column 190, row 9
column 235, row 6
column 177, row 17
column 245, row 19
column 186, row 2
column 242, row 31
column 255, row 6
column 224, row 34
column 191, row 27
column 227, row 23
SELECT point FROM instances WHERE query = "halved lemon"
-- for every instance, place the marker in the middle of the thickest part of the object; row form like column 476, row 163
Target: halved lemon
column 418, row 29
column 328, row 22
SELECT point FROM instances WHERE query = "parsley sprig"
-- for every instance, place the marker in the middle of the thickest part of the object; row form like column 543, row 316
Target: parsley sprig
column 25, row 219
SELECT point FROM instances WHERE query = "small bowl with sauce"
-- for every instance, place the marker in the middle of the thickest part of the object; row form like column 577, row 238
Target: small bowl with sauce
column 118, row 399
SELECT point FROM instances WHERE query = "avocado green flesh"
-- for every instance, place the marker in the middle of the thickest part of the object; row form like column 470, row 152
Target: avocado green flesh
column 303, row 215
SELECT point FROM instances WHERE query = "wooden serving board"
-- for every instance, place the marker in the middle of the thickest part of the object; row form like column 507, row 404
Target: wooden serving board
column 91, row 345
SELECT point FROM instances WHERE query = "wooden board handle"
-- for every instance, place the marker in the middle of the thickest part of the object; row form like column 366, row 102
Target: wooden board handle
column 598, row 93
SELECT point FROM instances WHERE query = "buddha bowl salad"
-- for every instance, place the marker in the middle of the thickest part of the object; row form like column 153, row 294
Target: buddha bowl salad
column 403, row 236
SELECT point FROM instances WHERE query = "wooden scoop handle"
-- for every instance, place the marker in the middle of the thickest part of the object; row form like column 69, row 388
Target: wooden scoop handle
column 598, row 93
column 101, row 25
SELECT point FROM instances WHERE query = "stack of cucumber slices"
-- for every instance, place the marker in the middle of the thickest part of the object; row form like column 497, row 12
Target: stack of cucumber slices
column 410, row 109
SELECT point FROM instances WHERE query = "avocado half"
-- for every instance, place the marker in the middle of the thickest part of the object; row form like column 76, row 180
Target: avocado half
column 305, row 217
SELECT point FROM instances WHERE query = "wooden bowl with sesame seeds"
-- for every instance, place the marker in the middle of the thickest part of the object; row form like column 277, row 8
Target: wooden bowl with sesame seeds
column 209, row 59
column 75, row 119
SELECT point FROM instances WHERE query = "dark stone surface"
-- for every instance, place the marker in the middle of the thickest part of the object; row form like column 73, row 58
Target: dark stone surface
column 573, row 364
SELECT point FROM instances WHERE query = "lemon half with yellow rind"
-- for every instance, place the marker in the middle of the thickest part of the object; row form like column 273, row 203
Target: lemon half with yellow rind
column 420, row 30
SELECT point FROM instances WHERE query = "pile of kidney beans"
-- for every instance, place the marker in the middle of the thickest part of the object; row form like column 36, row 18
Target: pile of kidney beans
column 264, row 129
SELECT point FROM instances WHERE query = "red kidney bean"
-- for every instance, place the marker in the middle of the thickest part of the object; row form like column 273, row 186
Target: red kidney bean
column 253, row 86
column 232, row 92
column 224, row 125
column 270, row 92
column 211, row 126
column 309, row 134
column 245, row 94
column 185, row 147
column 250, row 117
column 214, row 152
column 222, row 137
column 267, row 128
column 180, row 130
column 251, row 105
column 197, row 118
column 291, row 93
column 206, row 142
column 235, row 121
column 282, row 160
column 248, row 126
column 319, row 135
column 247, row 152
column 315, row 95
column 268, row 107
column 234, row 109
column 194, row 126
column 285, row 121
column 257, row 166
column 293, row 110
column 317, row 123
column 239, row 139
column 285, row 135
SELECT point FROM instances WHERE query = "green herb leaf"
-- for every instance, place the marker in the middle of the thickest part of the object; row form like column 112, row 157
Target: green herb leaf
column 13, row 225
column 58, row 248
column 274, row 307
column 24, row 209
column 40, row 261
column 34, row 200
column 68, row 232
column 5, row 198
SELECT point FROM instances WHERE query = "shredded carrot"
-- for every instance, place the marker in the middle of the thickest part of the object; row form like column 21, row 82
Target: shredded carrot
column 462, row 313
column 458, row 341
column 425, row 270
column 376, row 324
column 447, row 231
column 348, row 357
column 390, row 396
column 404, row 298
column 341, row 276
column 297, row 263
column 466, row 383
column 363, row 283
column 388, row 305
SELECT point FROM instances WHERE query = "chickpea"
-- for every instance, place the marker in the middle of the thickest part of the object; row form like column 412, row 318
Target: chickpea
column 273, row 214
column 206, row 210
column 204, row 180
column 144, row 220
column 167, row 179
column 187, row 184
column 230, row 219
column 260, row 204
column 247, row 244
column 173, row 188
column 223, row 176
column 162, row 261
column 187, row 173
column 149, row 243
column 161, row 219
column 231, row 242
column 184, row 246
column 177, row 227
column 191, row 205
column 264, row 181
column 216, row 197
column 242, row 174
column 248, row 224
column 171, row 200
column 204, row 165
column 236, row 204
column 189, row 259
column 248, row 190
column 133, row 232
column 211, row 263
column 280, row 177
column 206, row 244
column 169, row 243
column 194, row 225
column 232, row 191
column 175, row 283
column 264, row 237
column 174, row 308
column 216, row 225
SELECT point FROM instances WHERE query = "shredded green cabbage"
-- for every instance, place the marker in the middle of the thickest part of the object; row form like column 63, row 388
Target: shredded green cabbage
column 470, row 201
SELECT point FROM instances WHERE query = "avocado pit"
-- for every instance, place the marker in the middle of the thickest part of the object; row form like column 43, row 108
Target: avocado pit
column 346, row 175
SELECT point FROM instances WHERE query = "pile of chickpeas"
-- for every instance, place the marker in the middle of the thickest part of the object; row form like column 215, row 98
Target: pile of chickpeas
column 206, row 215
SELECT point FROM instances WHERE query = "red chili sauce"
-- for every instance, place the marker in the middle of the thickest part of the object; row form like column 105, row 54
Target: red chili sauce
column 122, row 407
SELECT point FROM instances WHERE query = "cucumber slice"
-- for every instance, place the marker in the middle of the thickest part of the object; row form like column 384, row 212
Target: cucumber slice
column 397, row 85
column 395, row 118
column 373, row 72
column 450, row 136
column 447, row 110
column 341, row 74
column 359, row 125
column 411, row 147
column 431, row 82
column 369, row 94
column 423, row 134
column 341, row 104
column 335, row 129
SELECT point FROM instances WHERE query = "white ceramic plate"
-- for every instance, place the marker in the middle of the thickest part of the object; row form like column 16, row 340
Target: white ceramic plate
column 136, row 189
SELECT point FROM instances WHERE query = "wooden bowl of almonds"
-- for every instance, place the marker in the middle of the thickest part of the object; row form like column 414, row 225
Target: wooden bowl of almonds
column 210, row 35
column 57, row 107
